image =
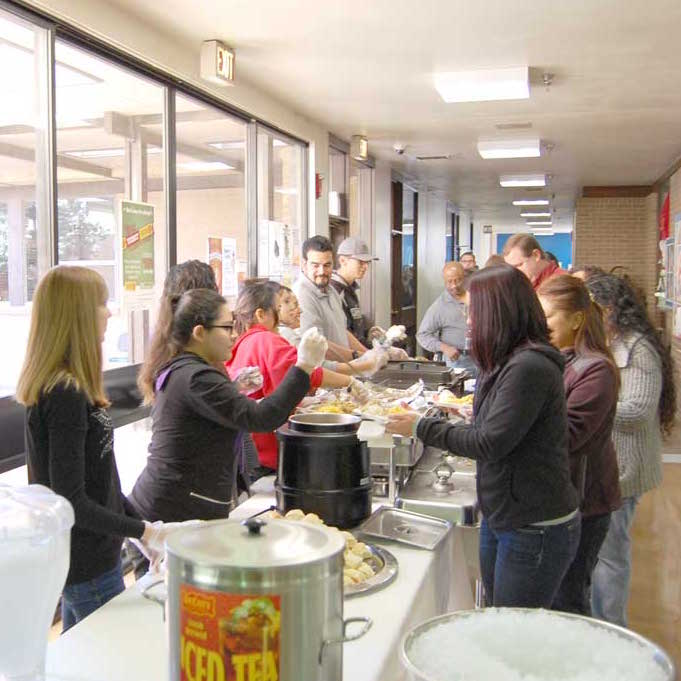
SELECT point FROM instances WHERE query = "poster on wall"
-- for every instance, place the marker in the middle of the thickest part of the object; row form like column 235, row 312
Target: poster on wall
column 668, row 266
column 222, row 259
column 137, row 230
column 675, row 265
column 278, row 251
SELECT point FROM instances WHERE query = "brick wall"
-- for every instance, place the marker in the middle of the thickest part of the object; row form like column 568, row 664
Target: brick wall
column 620, row 231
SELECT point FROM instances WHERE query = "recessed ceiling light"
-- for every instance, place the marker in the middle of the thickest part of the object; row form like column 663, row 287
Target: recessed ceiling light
column 535, row 215
column 484, row 85
column 205, row 165
column 539, row 222
column 292, row 191
column 234, row 144
column 531, row 202
column 518, row 148
column 523, row 180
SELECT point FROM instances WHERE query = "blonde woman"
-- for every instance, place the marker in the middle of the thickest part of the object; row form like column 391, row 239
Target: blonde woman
column 69, row 434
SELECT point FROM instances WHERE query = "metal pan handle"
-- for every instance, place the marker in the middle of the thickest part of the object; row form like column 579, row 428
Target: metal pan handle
column 345, row 638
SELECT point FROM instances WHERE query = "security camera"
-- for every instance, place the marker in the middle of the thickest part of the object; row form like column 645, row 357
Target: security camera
column 399, row 148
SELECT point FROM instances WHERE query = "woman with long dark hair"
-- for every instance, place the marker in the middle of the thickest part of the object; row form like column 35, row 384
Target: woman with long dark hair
column 591, row 383
column 531, row 522
column 197, row 410
column 645, row 412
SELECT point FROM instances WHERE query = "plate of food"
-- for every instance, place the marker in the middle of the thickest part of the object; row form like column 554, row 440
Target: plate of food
column 366, row 567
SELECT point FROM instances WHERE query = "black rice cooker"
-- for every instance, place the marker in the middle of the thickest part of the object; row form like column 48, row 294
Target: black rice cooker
column 324, row 468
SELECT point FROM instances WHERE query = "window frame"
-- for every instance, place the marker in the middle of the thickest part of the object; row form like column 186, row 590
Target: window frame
column 11, row 413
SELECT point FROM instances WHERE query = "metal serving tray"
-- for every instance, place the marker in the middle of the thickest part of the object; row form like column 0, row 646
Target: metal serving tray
column 385, row 566
column 405, row 527
column 458, row 504
column 406, row 452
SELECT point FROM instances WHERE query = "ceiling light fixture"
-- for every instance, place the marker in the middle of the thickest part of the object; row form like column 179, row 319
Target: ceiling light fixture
column 484, row 85
column 205, row 165
column 537, row 223
column 535, row 215
column 523, row 180
column 531, row 202
column 519, row 148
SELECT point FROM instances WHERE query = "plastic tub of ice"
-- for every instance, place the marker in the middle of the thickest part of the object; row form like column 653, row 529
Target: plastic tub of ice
column 516, row 644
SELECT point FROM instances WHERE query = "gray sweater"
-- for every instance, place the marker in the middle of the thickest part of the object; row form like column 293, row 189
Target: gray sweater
column 444, row 321
column 636, row 431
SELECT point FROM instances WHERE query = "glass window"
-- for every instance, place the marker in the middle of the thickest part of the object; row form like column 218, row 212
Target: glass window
column 282, row 212
column 408, row 274
column 110, row 195
column 24, row 222
column 211, row 191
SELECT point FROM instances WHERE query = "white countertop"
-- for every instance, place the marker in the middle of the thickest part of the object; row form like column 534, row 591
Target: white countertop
column 125, row 639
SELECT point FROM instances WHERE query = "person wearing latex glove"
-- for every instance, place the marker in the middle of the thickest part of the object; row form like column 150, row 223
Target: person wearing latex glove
column 359, row 391
column 397, row 332
column 248, row 380
column 152, row 542
column 311, row 349
column 370, row 362
column 397, row 354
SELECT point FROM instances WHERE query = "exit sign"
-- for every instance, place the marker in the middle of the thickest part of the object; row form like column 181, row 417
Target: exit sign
column 217, row 62
column 487, row 229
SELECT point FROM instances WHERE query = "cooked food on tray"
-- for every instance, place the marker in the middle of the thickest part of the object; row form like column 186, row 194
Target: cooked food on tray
column 448, row 397
column 359, row 562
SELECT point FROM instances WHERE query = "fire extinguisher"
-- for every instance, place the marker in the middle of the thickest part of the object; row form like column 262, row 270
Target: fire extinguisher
column 318, row 179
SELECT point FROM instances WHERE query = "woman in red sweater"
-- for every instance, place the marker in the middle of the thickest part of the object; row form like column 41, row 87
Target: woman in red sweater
column 259, row 344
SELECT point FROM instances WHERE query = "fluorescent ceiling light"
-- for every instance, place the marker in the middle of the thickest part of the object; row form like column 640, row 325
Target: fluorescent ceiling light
column 286, row 190
column 205, row 165
column 235, row 144
column 531, row 202
column 543, row 232
column 519, row 148
column 96, row 153
column 484, row 85
column 535, row 215
column 527, row 180
column 540, row 222
column 106, row 153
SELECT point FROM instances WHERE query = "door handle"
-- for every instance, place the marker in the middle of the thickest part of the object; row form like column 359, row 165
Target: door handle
column 394, row 312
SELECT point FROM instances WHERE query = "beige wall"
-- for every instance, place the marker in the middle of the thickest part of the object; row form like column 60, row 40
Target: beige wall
column 619, row 231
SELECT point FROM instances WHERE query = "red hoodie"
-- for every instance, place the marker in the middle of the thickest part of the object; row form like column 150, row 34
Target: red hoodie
column 274, row 356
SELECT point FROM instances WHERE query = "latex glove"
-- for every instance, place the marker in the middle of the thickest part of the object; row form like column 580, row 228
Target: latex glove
column 396, row 333
column 248, row 380
column 397, row 354
column 155, row 534
column 359, row 391
column 375, row 333
column 370, row 362
column 312, row 349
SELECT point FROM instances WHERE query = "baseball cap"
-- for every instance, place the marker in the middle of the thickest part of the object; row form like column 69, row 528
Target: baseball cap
column 353, row 247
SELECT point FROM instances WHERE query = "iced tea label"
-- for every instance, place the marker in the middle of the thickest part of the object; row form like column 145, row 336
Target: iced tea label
column 228, row 637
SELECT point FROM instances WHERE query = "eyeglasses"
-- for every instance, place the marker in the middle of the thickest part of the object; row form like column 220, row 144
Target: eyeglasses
column 229, row 326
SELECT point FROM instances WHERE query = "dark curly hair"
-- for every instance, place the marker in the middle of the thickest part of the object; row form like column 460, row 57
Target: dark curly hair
column 626, row 313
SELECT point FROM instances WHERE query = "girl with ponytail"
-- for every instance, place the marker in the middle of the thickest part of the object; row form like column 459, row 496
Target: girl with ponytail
column 591, row 382
column 198, row 412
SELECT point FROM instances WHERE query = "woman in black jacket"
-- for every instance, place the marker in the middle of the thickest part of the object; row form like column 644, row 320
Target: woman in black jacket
column 531, row 523
column 198, row 412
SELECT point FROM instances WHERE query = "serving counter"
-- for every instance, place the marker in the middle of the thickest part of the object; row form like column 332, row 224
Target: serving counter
column 125, row 639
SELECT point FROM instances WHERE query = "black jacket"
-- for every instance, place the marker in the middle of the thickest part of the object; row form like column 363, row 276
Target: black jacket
column 69, row 448
column 196, row 417
column 353, row 313
column 519, row 439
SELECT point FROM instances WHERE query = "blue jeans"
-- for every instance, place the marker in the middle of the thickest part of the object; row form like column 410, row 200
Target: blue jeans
column 612, row 575
column 79, row 600
column 524, row 567
column 574, row 594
